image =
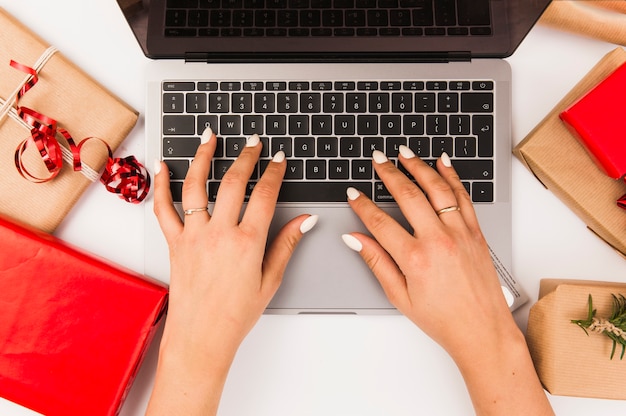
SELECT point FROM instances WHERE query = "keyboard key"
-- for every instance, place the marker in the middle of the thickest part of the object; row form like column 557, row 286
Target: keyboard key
column 401, row 103
column 234, row 146
column 298, row 125
column 333, row 103
column 208, row 121
column 282, row 143
column 252, row 125
column 180, row 146
column 477, row 102
column 230, row 125
column 344, row 125
column 482, row 192
column 304, row 147
column 474, row 169
column 295, row 169
column 413, row 125
column 339, row 169
column 276, row 125
column 482, row 127
column 362, row 169
column 420, row 146
column 381, row 193
column 327, row 147
column 320, row 191
column 393, row 145
column 367, row 125
column 443, row 144
column 390, row 125
column 321, row 125
column 379, row 103
column 219, row 103
column 350, row 147
column 173, row 103
column 179, row 86
column 178, row 124
column 372, row 143
column 315, row 169
column 465, row 146
column 196, row 103
column 177, row 168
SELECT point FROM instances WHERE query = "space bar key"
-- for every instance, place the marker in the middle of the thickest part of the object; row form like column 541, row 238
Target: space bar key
column 320, row 191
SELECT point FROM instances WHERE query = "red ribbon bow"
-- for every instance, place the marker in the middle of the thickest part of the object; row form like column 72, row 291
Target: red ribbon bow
column 124, row 176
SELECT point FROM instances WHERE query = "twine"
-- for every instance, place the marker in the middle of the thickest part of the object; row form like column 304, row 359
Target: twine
column 602, row 325
column 8, row 109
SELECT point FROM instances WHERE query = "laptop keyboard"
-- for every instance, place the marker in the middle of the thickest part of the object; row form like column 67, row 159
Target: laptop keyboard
column 328, row 131
column 298, row 18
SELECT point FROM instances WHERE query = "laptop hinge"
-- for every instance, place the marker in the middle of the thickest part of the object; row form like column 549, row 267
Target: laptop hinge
column 459, row 56
column 431, row 57
column 196, row 57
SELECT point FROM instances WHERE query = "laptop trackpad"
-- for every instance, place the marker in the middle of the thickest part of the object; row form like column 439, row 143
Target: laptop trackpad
column 324, row 275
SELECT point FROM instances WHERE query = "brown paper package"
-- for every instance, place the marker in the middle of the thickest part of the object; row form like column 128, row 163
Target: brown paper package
column 563, row 166
column 568, row 362
column 79, row 104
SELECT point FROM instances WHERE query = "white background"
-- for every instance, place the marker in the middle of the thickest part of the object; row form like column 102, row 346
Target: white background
column 336, row 365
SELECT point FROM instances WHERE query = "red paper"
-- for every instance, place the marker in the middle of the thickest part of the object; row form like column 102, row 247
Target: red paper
column 597, row 120
column 74, row 328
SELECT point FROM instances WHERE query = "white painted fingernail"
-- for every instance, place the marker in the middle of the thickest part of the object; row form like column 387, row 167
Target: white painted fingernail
column 352, row 242
column 308, row 224
column 279, row 157
column 445, row 159
column 157, row 167
column 253, row 140
column 406, row 152
column 206, row 135
column 379, row 157
column 352, row 193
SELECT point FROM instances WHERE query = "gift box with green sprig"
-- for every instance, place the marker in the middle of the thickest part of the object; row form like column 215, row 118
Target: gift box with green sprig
column 574, row 362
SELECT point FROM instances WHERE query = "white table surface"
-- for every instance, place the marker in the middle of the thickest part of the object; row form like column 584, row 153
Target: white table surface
column 336, row 365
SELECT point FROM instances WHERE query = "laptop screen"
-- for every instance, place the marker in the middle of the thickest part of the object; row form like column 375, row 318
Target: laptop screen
column 330, row 30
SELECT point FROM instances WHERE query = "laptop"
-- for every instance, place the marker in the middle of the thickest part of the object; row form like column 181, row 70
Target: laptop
column 328, row 81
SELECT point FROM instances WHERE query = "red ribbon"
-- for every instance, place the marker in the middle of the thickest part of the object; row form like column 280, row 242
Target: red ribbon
column 124, row 176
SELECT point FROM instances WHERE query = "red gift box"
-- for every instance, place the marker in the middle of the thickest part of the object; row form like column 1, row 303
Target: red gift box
column 597, row 120
column 74, row 327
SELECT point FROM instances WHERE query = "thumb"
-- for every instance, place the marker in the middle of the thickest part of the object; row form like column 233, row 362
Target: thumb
column 383, row 266
column 281, row 249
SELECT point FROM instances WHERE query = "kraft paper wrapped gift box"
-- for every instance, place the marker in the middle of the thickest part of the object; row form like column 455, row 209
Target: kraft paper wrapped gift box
column 80, row 105
column 563, row 165
column 569, row 362
column 74, row 328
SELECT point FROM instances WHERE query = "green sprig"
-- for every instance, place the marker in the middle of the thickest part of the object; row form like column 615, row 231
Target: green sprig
column 614, row 327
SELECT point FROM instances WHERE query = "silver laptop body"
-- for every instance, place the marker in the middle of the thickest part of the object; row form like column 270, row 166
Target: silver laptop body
column 324, row 276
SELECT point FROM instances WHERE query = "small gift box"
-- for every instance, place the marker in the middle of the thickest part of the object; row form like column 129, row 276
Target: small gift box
column 63, row 92
column 597, row 120
column 562, row 164
column 74, row 327
column 570, row 360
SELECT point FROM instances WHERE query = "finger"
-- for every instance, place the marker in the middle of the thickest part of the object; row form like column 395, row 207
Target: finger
column 437, row 189
column 169, row 221
column 262, row 203
column 389, row 234
column 383, row 266
column 449, row 174
column 280, row 251
column 232, row 190
column 411, row 199
column 194, row 187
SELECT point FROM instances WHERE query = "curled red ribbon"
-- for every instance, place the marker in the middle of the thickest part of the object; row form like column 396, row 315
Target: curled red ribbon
column 126, row 177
